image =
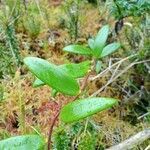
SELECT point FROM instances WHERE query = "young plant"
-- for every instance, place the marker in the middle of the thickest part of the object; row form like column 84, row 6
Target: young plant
column 32, row 26
column 63, row 80
column 9, row 46
column 97, row 47
column 72, row 10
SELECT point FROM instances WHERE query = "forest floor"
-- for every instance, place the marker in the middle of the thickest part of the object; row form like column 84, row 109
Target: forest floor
column 114, row 125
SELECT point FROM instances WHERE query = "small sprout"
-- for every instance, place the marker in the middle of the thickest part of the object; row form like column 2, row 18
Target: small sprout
column 97, row 47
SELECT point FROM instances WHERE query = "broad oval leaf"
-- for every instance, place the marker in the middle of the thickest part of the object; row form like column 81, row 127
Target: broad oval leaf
column 110, row 49
column 73, row 70
column 76, row 70
column 100, row 40
column 51, row 75
column 78, row 49
column 83, row 108
column 25, row 142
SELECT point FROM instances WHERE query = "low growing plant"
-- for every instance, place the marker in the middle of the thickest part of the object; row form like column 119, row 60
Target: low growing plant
column 124, row 8
column 72, row 11
column 9, row 46
column 97, row 47
column 121, row 9
column 32, row 26
column 63, row 79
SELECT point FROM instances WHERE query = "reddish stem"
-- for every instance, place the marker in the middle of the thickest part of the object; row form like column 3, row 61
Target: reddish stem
column 83, row 86
column 51, row 130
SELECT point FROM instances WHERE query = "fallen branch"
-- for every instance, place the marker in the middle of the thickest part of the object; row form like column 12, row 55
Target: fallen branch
column 144, row 115
column 132, row 141
column 110, row 67
column 117, row 76
column 148, row 147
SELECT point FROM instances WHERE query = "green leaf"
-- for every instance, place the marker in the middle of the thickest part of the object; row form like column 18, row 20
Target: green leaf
column 52, row 75
column 100, row 40
column 73, row 70
column 76, row 70
column 38, row 83
column 110, row 49
column 83, row 108
column 98, row 66
column 91, row 43
column 78, row 49
column 25, row 142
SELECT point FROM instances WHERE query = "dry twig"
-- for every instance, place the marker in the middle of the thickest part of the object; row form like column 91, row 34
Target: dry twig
column 118, row 75
column 110, row 67
column 132, row 141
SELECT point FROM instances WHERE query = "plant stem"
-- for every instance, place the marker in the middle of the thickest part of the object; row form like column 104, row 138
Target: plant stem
column 83, row 85
column 57, row 114
column 51, row 130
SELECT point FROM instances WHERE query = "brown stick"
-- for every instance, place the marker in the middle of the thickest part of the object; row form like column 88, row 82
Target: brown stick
column 118, row 75
column 51, row 130
column 132, row 141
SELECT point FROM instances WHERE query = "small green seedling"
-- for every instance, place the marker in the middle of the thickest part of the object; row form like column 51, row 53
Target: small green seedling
column 63, row 79
column 97, row 47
